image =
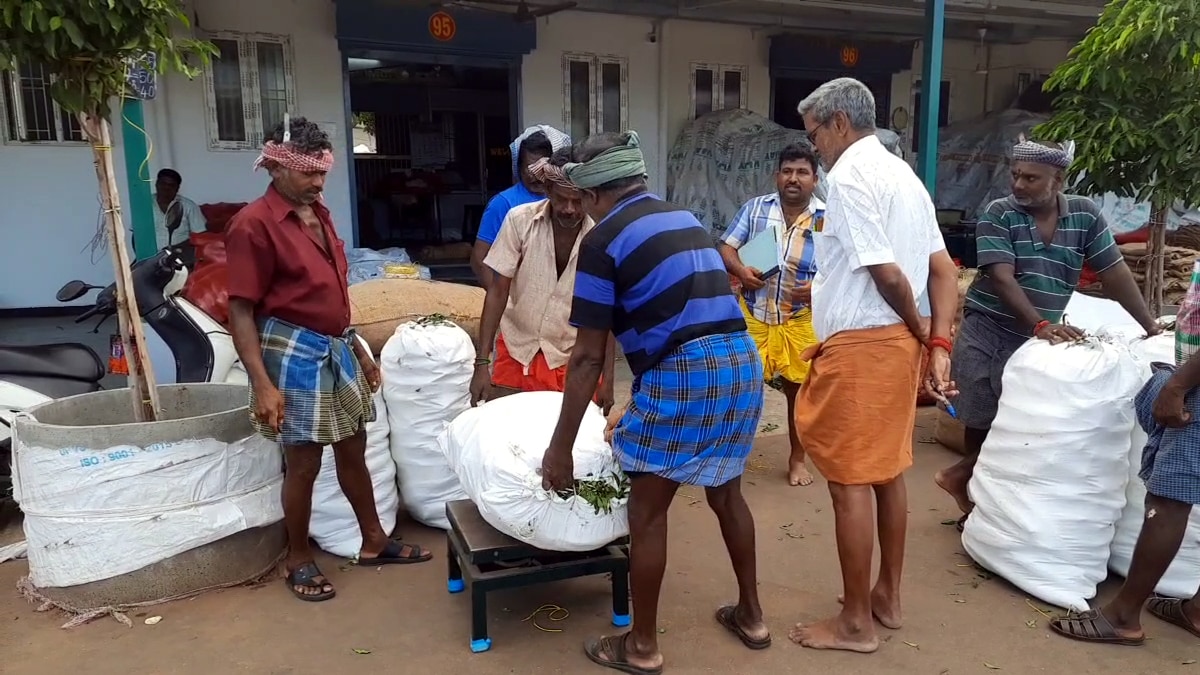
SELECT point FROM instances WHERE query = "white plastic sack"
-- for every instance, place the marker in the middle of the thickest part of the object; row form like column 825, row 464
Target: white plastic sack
column 426, row 368
column 1183, row 576
column 333, row 524
column 126, row 507
column 497, row 449
column 1050, row 482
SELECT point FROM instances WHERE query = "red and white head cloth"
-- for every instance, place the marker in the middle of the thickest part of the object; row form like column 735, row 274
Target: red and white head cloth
column 286, row 156
column 546, row 173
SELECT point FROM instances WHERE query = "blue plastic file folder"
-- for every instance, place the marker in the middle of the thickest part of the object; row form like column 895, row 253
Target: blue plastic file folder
column 762, row 252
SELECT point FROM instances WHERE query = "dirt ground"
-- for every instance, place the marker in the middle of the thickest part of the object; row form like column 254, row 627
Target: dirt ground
column 958, row 621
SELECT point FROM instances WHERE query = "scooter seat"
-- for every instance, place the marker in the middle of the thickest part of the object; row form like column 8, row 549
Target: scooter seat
column 65, row 360
column 52, row 387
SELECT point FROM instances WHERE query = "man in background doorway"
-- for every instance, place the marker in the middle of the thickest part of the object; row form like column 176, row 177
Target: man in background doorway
column 533, row 282
column 175, row 217
column 776, row 306
column 536, row 142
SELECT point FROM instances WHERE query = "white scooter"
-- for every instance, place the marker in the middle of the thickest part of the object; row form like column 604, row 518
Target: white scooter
column 183, row 342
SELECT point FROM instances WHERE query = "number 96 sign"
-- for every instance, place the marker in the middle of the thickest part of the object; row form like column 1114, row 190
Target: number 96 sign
column 442, row 27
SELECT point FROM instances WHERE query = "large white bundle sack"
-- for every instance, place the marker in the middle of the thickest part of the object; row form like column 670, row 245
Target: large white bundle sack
column 333, row 524
column 1183, row 576
column 1050, row 482
column 426, row 367
column 97, row 513
column 497, row 449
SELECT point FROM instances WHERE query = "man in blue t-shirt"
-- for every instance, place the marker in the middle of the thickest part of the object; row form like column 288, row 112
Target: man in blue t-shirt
column 535, row 143
column 649, row 274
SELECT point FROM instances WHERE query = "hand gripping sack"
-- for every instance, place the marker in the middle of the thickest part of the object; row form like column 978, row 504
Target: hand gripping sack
column 1050, row 482
column 497, row 448
column 1183, row 576
column 426, row 368
column 333, row 524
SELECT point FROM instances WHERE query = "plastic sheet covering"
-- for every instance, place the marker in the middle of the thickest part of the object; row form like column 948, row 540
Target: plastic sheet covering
column 210, row 249
column 973, row 170
column 366, row 264
column 723, row 159
column 208, row 289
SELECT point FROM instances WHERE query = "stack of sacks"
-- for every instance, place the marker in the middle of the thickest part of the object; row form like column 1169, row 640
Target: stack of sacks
column 1177, row 268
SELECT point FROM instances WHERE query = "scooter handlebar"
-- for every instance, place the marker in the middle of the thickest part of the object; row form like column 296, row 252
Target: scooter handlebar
column 93, row 311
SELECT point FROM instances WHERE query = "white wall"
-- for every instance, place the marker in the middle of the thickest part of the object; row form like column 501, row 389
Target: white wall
column 603, row 35
column 49, row 193
column 49, row 217
column 226, row 176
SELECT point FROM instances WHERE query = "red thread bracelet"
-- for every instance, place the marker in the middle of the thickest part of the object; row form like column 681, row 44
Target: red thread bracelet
column 941, row 342
column 1037, row 328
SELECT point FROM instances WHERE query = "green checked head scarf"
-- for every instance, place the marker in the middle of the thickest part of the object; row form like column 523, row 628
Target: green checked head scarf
column 615, row 163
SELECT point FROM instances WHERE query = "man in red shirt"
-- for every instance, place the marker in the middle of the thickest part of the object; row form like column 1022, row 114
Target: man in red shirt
column 311, row 382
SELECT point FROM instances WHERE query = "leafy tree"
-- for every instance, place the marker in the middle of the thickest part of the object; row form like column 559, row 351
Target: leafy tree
column 1127, row 95
column 88, row 47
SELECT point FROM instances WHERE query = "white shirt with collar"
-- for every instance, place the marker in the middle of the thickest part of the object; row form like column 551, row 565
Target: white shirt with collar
column 876, row 212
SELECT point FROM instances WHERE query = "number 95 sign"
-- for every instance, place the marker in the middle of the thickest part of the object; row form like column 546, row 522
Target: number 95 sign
column 442, row 27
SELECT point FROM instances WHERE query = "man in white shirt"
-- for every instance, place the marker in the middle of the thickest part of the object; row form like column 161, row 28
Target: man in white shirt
column 175, row 217
column 879, row 248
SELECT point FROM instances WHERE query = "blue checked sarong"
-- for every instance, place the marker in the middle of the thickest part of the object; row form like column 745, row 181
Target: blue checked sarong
column 693, row 417
column 326, row 397
column 1171, row 458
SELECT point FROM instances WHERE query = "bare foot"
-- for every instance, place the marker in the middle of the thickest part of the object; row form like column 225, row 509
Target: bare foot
column 798, row 474
column 835, row 633
column 955, row 484
column 886, row 612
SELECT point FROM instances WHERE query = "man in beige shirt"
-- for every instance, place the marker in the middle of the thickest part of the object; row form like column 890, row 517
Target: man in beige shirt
column 529, row 300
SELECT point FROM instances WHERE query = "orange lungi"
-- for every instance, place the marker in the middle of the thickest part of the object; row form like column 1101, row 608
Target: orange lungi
column 507, row 372
column 856, row 411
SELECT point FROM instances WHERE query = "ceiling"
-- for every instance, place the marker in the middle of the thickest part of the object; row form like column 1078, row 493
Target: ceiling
column 1007, row 21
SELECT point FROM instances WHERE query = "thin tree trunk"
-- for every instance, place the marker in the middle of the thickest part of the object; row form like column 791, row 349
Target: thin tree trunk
column 142, row 386
column 1152, row 290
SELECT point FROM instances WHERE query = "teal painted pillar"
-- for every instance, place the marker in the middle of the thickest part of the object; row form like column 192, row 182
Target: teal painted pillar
column 931, row 92
column 140, row 210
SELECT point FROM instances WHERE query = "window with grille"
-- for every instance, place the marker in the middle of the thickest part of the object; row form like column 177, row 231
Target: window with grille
column 595, row 94
column 716, row 87
column 30, row 115
column 249, row 88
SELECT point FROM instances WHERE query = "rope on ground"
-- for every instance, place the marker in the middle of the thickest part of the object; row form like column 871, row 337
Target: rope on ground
column 552, row 612
column 81, row 616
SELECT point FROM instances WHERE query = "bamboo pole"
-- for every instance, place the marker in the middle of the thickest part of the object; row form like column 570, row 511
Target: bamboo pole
column 142, row 386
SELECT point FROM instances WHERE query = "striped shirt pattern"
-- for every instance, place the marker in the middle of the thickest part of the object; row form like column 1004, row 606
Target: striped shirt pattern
column 1187, row 321
column 772, row 304
column 1048, row 273
column 650, row 273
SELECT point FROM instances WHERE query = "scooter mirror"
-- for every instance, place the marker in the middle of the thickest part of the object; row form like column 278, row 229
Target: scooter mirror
column 72, row 290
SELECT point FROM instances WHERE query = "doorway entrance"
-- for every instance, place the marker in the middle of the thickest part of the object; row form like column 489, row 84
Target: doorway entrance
column 430, row 148
column 789, row 91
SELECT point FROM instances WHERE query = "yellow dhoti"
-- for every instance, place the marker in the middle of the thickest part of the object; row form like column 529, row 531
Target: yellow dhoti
column 780, row 346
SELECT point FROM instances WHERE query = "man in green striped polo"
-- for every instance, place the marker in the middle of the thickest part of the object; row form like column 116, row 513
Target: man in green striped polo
column 1032, row 246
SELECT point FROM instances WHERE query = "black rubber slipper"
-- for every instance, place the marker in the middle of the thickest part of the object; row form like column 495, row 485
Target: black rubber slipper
column 306, row 576
column 726, row 617
column 393, row 554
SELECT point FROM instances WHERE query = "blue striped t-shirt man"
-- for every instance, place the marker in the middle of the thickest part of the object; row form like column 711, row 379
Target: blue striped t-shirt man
column 649, row 273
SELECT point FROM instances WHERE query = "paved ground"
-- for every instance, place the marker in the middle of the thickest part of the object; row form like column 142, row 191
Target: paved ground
column 958, row 622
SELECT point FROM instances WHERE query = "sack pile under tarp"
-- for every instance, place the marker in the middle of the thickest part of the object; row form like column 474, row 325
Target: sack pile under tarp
column 378, row 306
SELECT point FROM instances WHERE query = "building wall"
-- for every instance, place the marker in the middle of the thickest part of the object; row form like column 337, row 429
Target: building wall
column 51, row 214
column 49, row 220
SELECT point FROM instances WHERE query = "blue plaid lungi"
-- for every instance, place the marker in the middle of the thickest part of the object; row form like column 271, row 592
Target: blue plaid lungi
column 1171, row 458
column 692, row 418
column 326, row 396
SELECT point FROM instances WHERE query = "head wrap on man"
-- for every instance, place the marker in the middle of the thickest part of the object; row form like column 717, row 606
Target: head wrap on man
column 286, row 156
column 615, row 163
column 1037, row 153
column 544, row 172
column 558, row 140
